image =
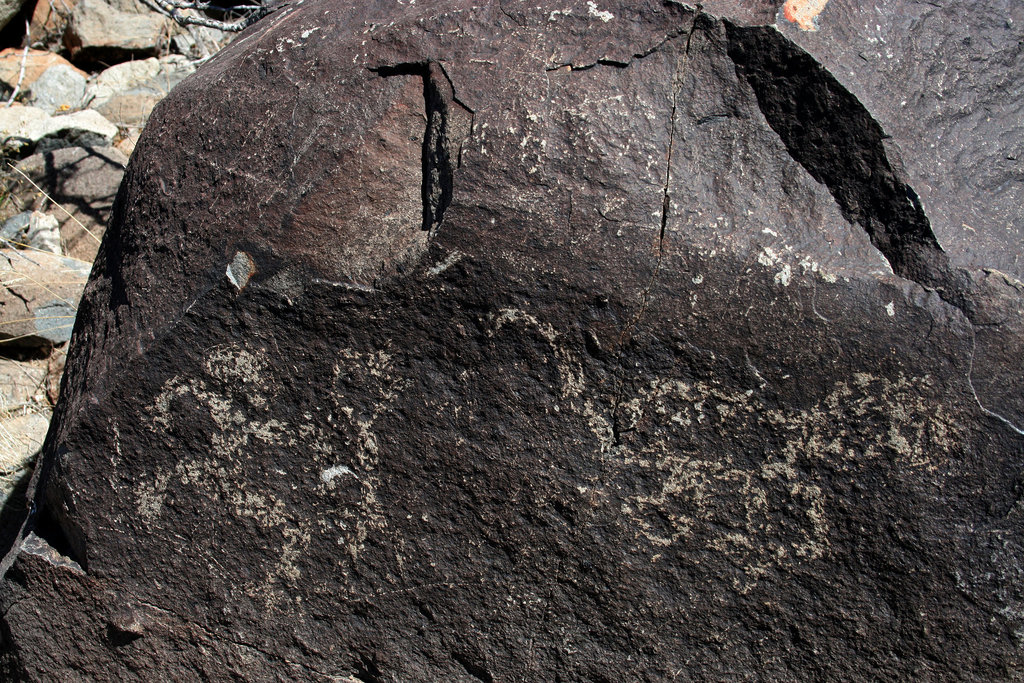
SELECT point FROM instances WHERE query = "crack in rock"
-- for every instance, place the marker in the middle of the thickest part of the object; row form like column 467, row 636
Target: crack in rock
column 645, row 295
column 449, row 124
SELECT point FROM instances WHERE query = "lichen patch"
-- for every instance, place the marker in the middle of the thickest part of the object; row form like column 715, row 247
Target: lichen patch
column 804, row 13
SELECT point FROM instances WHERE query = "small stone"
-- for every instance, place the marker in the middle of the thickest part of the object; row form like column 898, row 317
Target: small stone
column 32, row 230
column 61, row 88
column 43, row 233
column 14, row 227
column 240, row 270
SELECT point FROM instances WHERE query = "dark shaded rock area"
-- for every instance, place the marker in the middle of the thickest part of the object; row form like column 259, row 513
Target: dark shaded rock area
column 82, row 180
column 598, row 341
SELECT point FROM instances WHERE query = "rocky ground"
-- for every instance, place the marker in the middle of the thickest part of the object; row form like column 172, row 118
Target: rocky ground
column 78, row 79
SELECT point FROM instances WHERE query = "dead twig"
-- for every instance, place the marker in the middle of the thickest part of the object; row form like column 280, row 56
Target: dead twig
column 179, row 11
column 24, row 59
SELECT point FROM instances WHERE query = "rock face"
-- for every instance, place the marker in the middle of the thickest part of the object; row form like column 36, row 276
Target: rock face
column 37, row 62
column 128, row 92
column 99, row 31
column 28, row 127
column 39, row 294
column 59, row 89
column 596, row 341
column 84, row 183
column 8, row 10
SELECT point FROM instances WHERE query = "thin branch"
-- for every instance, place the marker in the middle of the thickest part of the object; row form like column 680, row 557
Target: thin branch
column 173, row 10
column 24, row 58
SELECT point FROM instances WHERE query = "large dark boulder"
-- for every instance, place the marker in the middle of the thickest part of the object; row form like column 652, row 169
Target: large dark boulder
column 595, row 341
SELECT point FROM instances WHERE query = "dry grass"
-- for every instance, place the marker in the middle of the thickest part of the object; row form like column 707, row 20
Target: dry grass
column 23, row 425
column 22, row 432
column 18, row 272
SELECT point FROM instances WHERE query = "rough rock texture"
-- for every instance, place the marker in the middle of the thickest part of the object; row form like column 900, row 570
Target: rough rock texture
column 28, row 127
column 598, row 341
column 39, row 294
column 20, row 383
column 8, row 10
column 37, row 62
column 83, row 182
column 59, row 89
column 100, row 32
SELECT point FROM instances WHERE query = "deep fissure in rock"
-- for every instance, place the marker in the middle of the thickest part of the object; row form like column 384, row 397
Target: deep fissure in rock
column 832, row 135
column 437, row 168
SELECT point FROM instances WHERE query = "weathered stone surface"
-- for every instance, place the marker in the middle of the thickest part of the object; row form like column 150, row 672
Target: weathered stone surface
column 200, row 42
column 37, row 62
column 8, row 10
column 22, row 127
column 590, row 341
column 130, row 109
column 49, row 20
column 83, row 182
column 127, row 93
column 61, row 88
column 156, row 75
column 15, row 226
column 99, row 31
column 39, row 294
column 955, row 124
column 21, row 385
column 21, row 437
column 43, row 233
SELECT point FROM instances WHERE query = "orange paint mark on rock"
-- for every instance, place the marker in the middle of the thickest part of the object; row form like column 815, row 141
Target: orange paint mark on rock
column 804, row 13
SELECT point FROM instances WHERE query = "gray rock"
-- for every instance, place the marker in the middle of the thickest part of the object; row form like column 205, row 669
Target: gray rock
column 36, row 63
column 39, row 294
column 14, row 227
column 127, row 93
column 130, row 6
column 21, row 437
column 43, row 233
column 61, row 88
column 152, row 76
column 99, row 32
column 82, row 181
column 200, row 42
column 129, row 110
column 32, row 230
column 22, row 127
column 22, row 386
column 8, row 10
column 122, row 77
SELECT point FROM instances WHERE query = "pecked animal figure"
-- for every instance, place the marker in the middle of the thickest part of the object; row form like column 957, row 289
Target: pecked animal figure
column 597, row 341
